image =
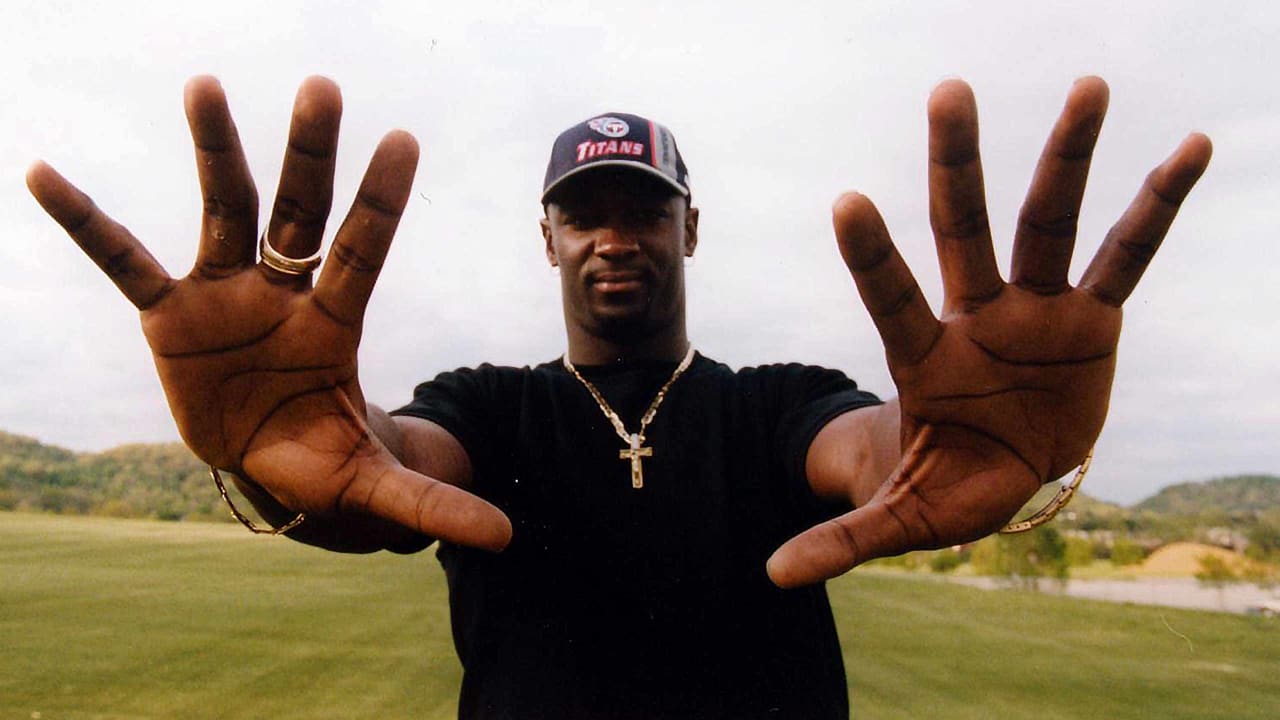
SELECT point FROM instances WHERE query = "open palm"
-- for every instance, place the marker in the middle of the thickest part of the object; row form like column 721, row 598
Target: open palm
column 258, row 366
column 1009, row 387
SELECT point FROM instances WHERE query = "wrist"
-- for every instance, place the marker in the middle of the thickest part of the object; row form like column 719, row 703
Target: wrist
column 258, row 503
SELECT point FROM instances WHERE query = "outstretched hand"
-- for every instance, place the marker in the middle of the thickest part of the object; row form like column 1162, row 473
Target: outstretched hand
column 1008, row 389
column 259, row 367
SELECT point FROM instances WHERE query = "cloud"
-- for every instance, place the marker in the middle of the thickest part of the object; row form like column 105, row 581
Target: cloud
column 777, row 111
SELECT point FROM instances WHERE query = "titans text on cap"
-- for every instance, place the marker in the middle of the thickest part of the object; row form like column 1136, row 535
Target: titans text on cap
column 618, row 140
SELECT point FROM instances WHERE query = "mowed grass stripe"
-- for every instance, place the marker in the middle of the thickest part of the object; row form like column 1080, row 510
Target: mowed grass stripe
column 917, row 648
column 131, row 619
column 102, row 618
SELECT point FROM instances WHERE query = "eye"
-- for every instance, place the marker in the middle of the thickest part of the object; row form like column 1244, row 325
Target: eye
column 581, row 219
column 647, row 215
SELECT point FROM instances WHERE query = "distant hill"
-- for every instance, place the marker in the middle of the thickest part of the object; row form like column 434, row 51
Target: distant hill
column 1238, row 495
column 166, row 481
column 1083, row 502
column 163, row 481
column 20, row 449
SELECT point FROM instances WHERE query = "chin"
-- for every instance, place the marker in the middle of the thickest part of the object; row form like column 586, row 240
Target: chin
column 622, row 328
column 627, row 320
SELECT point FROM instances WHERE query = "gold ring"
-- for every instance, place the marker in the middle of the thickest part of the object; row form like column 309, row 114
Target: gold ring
column 279, row 262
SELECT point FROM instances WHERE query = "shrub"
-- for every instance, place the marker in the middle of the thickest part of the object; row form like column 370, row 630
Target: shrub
column 1127, row 552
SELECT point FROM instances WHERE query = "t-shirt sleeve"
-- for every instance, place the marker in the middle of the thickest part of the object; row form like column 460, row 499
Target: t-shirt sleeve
column 461, row 402
column 811, row 397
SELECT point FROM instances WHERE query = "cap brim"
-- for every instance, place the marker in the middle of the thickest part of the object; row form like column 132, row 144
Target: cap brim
column 628, row 164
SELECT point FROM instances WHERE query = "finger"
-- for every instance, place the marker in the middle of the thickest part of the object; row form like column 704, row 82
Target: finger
column 306, row 178
column 108, row 243
column 884, row 281
column 837, row 546
column 1134, row 239
column 229, row 225
column 957, row 199
column 951, row 487
column 361, row 245
column 1046, row 231
column 432, row 508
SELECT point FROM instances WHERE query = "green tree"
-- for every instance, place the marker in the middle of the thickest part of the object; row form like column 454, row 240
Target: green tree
column 946, row 560
column 1025, row 558
column 1264, row 537
column 1080, row 552
column 1126, row 552
column 1214, row 572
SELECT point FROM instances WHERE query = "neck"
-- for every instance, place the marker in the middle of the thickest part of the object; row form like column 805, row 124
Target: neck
column 587, row 349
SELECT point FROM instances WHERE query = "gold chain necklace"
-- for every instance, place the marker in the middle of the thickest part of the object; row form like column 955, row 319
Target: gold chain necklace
column 635, row 441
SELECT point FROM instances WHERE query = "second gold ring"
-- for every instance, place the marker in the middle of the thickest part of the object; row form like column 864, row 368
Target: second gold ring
column 280, row 262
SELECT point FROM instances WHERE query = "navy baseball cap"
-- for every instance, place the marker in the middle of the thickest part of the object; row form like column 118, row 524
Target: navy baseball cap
column 618, row 140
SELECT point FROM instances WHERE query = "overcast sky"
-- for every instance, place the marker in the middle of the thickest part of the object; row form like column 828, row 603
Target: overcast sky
column 777, row 108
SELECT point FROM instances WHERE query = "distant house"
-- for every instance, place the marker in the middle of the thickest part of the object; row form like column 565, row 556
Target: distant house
column 1225, row 537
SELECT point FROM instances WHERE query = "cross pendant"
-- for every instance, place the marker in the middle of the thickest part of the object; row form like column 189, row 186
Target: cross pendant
column 634, row 453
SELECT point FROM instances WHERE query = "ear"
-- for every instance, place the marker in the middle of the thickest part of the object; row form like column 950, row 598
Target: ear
column 690, row 231
column 549, row 248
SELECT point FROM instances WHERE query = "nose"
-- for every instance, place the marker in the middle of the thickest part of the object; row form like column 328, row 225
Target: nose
column 612, row 243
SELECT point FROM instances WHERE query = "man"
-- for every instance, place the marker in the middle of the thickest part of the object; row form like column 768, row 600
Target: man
column 641, row 492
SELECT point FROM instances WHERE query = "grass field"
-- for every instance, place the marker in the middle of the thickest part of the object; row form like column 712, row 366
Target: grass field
column 116, row 619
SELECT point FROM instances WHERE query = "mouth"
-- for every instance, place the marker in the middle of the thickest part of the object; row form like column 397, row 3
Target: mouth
column 617, row 281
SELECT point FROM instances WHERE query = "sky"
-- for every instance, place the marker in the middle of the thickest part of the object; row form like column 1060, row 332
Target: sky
column 777, row 108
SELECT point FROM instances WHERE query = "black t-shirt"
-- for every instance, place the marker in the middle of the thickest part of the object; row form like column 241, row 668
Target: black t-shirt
column 615, row 602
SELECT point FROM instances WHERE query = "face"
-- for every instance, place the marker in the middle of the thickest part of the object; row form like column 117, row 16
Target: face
column 619, row 239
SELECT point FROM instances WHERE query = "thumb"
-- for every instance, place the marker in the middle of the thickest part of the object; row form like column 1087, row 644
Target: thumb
column 943, row 493
column 877, row 529
column 837, row 546
column 433, row 508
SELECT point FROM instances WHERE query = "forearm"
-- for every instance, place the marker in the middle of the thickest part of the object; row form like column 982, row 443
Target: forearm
column 853, row 455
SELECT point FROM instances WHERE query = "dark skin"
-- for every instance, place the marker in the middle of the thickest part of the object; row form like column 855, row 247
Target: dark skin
column 1006, row 389
column 619, row 240
column 260, row 367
